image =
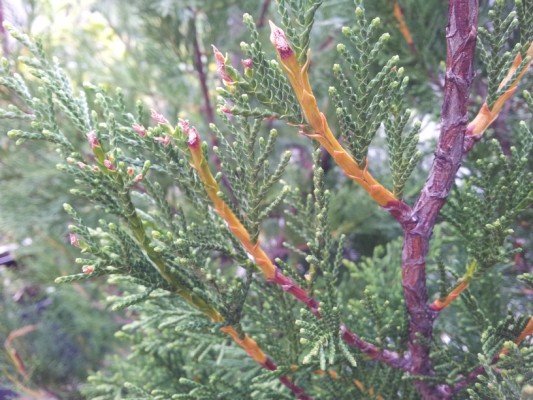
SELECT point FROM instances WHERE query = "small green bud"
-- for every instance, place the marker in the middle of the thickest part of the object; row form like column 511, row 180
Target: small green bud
column 341, row 48
column 385, row 37
column 13, row 133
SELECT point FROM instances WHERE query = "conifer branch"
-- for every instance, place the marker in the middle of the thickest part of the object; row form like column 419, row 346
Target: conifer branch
column 461, row 41
column 473, row 375
column 135, row 223
column 318, row 127
column 271, row 272
column 488, row 114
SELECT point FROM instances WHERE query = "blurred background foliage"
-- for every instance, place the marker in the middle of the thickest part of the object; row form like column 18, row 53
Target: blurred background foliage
column 159, row 52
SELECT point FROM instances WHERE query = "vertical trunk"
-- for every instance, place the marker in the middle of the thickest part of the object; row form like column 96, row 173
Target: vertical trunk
column 461, row 40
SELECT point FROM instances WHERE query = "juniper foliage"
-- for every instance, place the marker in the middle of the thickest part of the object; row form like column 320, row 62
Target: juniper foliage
column 214, row 316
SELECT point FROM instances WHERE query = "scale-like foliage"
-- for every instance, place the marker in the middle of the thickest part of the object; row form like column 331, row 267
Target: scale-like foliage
column 235, row 283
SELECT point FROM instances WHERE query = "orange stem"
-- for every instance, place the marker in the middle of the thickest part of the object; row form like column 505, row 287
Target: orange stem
column 235, row 226
column 406, row 33
column 439, row 305
column 486, row 115
column 13, row 353
column 528, row 330
column 317, row 121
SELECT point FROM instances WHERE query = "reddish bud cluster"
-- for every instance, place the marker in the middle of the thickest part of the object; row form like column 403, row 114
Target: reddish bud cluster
column 159, row 118
column 163, row 140
column 280, row 42
column 109, row 165
column 93, row 140
column 184, row 126
column 226, row 110
column 221, row 66
column 88, row 269
column 194, row 138
column 74, row 239
column 141, row 130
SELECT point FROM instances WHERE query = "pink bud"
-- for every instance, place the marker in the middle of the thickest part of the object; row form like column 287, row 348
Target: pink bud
column 95, row 168
column 109, row 165
column 184, row 126
column 81, row 165
column 130, row 171
column 141, row 130
column 194, row 138
column 87, row 269
column 221, row 66
column 93, row 140
column 73, row 239
column 164, row 140
column 138, row 178
column 247, row 63
column 280, row 42
column 159, row 118
column 226, row 110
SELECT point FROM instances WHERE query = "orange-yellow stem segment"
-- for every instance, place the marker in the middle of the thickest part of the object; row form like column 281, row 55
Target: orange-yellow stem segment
column 398, row 14
column 235, row 226
column 248, row 344
column 439, row 305
column 299, row 80
column 528, row 330
column 356, row 382
column 486, row 115
column 12, row 351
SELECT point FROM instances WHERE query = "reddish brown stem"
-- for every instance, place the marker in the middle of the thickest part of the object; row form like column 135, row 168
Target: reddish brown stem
column 199, row 66
column 391, row 358
column 264, row 12
column 461, row 41
column 296, row 390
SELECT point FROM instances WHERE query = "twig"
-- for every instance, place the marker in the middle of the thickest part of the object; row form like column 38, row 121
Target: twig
column 264, row 13
column 472, row 376
column 208, row 107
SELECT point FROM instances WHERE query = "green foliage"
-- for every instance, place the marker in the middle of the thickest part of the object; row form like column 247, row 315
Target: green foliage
column 494, row 45
column 298, row 24
column 140, row 215
column 514, row 368
column 369, row 100
column 264, row 82
column 485, row 205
